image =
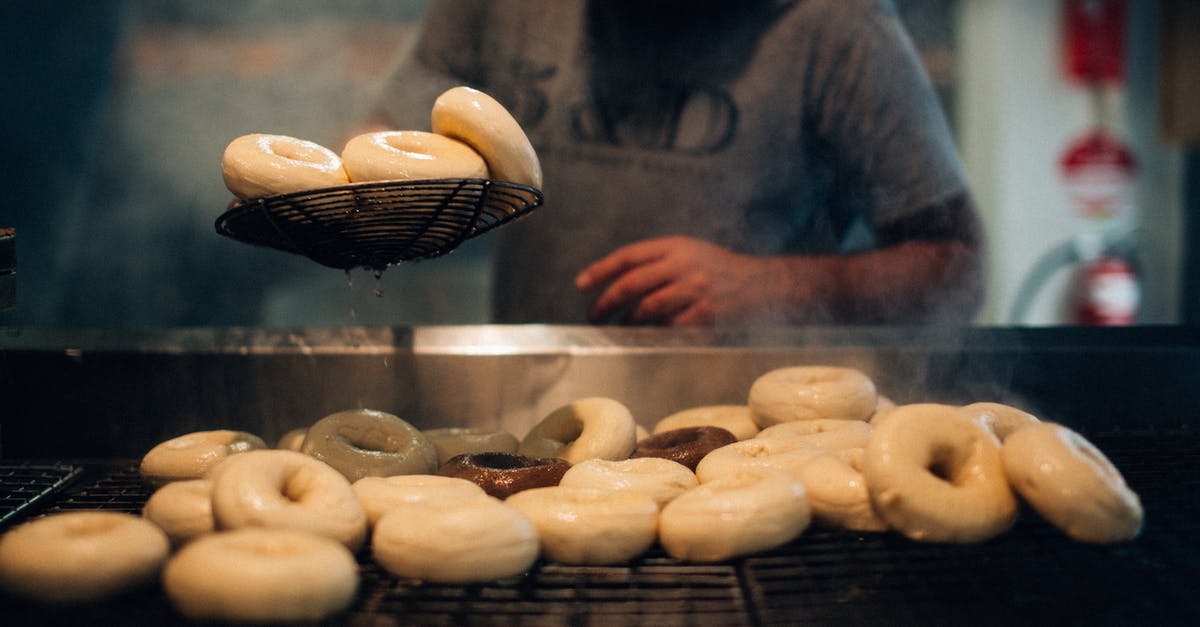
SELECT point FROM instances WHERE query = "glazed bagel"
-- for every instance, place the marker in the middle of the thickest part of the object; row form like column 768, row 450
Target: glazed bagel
column 812, row 392
column 824, row 433
column 686, row 445
column 1071, row 484
column 589, row 428
column 998, row 419
column 661, row 479
column 478, row 120
column 182, row 509
column 589, row 526
column 289, row 490
column 261, row 165
column 378, row 495
column 736, row 419
column 292, row 440
column 457, row 542
column 504, row 474
column 193, row 455
column 261, row 575
column 450, row 442
column 366, row 442
column 936, row 477
column 410, row 155
column 734, row 515
column 838, row 492
column 81, row 556
column 756, row 453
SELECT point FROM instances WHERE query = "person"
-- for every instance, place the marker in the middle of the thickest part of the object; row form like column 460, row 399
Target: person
column 713, row 162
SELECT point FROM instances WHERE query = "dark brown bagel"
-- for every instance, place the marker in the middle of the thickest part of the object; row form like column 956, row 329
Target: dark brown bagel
column 687, row 446
column 503, row 474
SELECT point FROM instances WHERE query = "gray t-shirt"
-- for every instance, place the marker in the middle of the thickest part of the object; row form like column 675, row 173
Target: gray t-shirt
column 770, row 127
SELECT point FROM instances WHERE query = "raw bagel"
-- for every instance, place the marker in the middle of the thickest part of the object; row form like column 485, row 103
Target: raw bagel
column 686, row 445
column 378, row 495
column 589, row 428
column 81, row 556
column 410, row 155
column 289, row 490
column 838, row 492
column 261, row 575
column 477, row 120
column 936, row 477
column 292, row 440
column 451, row 442
column 1071, row 484
column 589, row 526
column 812, row 392
column 505, row 474
column 475, row 540
column 661, row 479
column 261, row 165
column 366, row 442
column 999, row 420
column 192, row 455
column 735, row 419
column 182, row 509
column 829, row 434
column 769, row 453
column 734, row 515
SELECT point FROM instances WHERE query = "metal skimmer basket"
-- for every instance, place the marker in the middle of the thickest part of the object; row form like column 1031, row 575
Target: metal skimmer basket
column 378, row 224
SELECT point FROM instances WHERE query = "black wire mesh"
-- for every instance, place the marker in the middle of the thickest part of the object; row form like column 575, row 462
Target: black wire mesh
column 375, row 225
column 1032, row 574
column 25, row 486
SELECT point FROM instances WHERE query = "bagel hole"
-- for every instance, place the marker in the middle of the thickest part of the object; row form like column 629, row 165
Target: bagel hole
column 502, row 461
column 942, row 464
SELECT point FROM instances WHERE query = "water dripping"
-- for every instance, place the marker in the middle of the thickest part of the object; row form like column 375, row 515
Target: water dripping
column 378, row 283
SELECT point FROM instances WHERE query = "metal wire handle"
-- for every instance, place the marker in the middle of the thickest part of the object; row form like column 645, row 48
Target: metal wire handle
column 378, row 224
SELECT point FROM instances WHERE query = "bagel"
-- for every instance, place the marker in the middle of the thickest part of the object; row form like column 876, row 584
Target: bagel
column 193, row 455
column 661, row 479
column 837, row 491
column 478, row 120
column 829, row 434
column 261, row 576
column 453, row 441
column 1067, row 480
column 366, row 442
column 505, row 474
column 259, row 165
column 456, row 542
column 81, row 556
column 410, row 155
column 812, row 392
column 589, row 526
column 736, row 419
column 292, row 440
column 589, row 428
column 182, row 509
column 378, row 495
column 936, row 477
column 998, row 419
column 687, row 445
column 779, row 454
column 285, row 489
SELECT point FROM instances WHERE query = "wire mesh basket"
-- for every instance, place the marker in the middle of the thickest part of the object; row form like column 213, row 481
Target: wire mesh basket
column 378, row 224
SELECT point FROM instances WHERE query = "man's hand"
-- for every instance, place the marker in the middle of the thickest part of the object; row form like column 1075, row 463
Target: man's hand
column 675, row 281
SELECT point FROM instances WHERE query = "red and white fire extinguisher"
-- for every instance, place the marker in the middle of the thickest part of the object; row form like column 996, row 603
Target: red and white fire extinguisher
column 1107, row 290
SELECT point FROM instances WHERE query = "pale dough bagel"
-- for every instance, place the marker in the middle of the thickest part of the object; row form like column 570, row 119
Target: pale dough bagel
column 735, row 419
column 182, row 509
column 192, row 455
column 288, row 490
column 660, row 479
column 292, row 440
column 1071, row 484
column 453, row 441
column 378, row 495
column 408, row 156
column 838, row 493
column 936, row 477
column 825, row 433
column 477, row 120
column 81, row 556
column 468, row 541
column 757, row 453
column 589, row 428
column 734, row 515
column 367, row 442
column 589, row 526
column 811, row 392
column 998, row 419
column 261, row 165
column 261, row 575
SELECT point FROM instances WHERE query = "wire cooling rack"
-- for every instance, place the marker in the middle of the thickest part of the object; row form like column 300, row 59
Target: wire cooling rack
column 378, row 224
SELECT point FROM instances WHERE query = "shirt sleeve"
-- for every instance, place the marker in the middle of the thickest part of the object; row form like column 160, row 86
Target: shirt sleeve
column 875, row 113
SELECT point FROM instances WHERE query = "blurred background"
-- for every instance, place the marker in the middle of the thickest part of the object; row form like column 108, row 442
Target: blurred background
column 1077, row 121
